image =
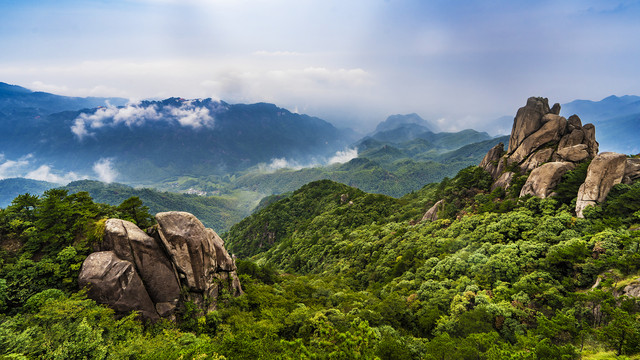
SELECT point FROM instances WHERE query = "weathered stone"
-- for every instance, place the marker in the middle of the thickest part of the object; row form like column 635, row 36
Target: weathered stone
column 527, row 121
column 491, row 161
column 536, row 159
column 574, row 122
column 631, row 170
column 115, row 282
column 555, row 109
column 574, row 153
column 432, row 213
column 633, row 289
column 575, row 137
column 504, row 181
column 189, row 246
column 590, row 139
column 130, row 243
column 182, row 261
column 544, row 179
column 223, row 260
column 551, row 132
column 606, row 170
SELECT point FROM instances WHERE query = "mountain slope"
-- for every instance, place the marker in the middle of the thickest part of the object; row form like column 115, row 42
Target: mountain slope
column 216, row 212
column 154, row 140
column 10, row 188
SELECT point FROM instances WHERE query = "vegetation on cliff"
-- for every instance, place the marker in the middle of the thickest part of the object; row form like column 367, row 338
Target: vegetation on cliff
column 332, row 272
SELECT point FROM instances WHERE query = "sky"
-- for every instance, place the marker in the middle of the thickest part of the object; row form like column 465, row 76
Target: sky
column 459, row 64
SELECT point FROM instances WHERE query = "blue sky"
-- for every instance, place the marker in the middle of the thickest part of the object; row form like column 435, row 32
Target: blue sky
column 459, row 63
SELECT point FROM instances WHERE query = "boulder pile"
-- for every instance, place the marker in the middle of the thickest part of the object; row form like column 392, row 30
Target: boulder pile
column 156, row 272
column 544, row 143
column 545, row 146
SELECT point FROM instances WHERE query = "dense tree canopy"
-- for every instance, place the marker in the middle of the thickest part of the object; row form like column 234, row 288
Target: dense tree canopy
column 332, row 272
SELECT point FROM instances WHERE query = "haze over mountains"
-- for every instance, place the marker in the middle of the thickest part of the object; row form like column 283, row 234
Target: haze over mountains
column 212, row 147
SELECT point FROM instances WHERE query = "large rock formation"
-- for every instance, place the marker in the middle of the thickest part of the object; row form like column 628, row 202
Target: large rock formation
column 606, row 170
column 155, row 274
column 541, row 137
column 544, row 179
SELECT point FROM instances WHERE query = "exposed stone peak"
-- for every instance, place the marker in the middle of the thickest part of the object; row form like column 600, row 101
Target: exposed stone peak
column 155, row 274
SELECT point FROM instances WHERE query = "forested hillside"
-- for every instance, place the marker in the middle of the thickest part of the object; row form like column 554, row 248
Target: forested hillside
column 339, row 273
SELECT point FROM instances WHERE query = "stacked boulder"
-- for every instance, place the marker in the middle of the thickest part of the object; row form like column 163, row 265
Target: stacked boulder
column 544, row 143
column 156, row 273
column 548, row 145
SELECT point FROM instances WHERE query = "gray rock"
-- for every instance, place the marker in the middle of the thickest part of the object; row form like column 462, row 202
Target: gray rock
column 432, row 213
column 491, row 161
column 527, row 121
column 574, row 153
column 606, row 170
column 544, row 179
column 590, row 139
column 155, row 269
column 155, row 275
column 573, row 138
column 190, row 247
column 631, row 170
column 555, row 109
column 504, row 181
column 536, row 159
column 574, row 122
column 223, row 260
column 551, row 132
column 115, row 282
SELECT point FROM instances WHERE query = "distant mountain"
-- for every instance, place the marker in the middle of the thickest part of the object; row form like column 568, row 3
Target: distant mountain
column 384, row 168
column 155, row 140
column 395, row 121
column 10, row 188
column 16, row 100
column 617, row 121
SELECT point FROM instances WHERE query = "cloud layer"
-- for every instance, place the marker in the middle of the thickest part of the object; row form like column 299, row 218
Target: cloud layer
column 187, row 115
column 30, row 168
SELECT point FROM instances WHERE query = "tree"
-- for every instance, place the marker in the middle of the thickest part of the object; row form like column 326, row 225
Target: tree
column 132, row 209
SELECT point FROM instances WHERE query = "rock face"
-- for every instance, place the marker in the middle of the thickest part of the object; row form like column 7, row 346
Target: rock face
column 544, row 179
column 156, row 273
column 605, row 171
column 540, row 137
column 432, row 213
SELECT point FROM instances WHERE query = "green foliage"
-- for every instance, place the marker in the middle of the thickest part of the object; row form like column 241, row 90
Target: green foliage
column 338, row 273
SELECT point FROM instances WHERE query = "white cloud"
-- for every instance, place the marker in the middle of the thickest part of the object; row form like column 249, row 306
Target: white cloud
column 343, row 156
column 192, row 116
column 45, row 173
column 105, row 170
column 187, row 115
column 12, row 168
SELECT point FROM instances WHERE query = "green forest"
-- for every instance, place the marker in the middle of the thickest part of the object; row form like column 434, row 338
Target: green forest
column 332, row 272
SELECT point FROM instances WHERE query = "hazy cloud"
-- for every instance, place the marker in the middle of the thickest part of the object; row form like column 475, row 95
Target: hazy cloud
column 342, row 157
column 105, row 170
column 192, row 116
column 12, row 168
column 25, row 167
column 46, row 173
column 187, row 115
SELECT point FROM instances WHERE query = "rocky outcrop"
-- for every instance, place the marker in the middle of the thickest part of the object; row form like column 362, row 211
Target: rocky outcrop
column 544, row 179
column 540, row 136
column 113, row 281
column 432, row 213
column 155, row 273
column 527, row 121
column 605, row 171
column 491, row 161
